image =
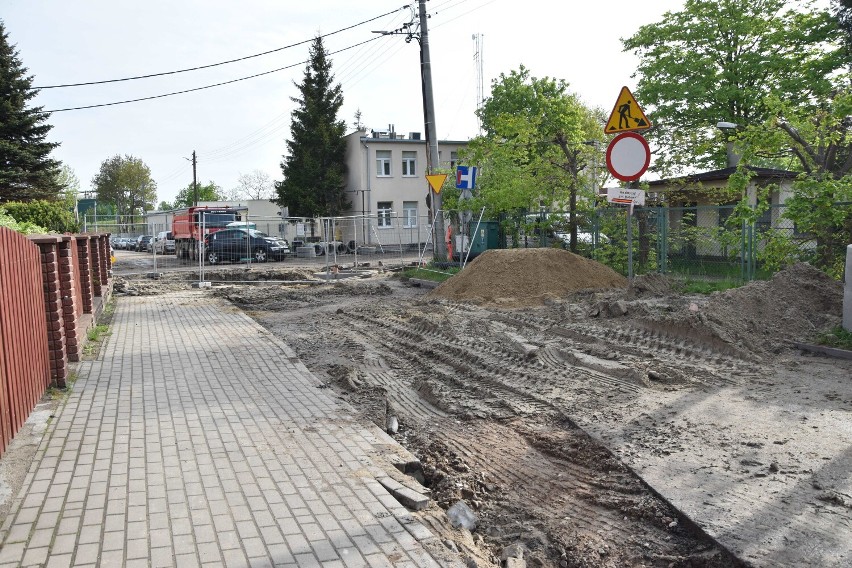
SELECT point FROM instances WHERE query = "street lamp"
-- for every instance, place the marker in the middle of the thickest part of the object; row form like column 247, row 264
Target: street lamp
column 732, row 158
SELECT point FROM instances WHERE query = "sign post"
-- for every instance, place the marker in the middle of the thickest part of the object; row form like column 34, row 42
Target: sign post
column 466, row 182
column 629, row 197
column 627, row 158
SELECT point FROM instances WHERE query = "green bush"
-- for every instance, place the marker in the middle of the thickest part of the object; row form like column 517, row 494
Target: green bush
column 9, row 222
column 52, row 215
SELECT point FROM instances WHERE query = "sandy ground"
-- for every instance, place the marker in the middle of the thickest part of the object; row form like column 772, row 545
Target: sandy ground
column 702, row 397
column 619, row 427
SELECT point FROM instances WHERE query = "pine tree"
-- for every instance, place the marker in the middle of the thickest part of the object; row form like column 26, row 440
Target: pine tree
column 26, row 170
column 315, row 165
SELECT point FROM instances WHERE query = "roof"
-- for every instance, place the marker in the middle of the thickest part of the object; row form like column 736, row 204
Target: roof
column 724, row 174
column 371, row 140
column 390, row 136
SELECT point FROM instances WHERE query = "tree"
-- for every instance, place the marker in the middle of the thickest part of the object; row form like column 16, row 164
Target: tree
column 538, row 142
column 208, row 192
column 315, row 165
column 843, row 14
column 256, row 185
column 125, row 182
column 26, row 169
column 718, row 60
column 70, row 184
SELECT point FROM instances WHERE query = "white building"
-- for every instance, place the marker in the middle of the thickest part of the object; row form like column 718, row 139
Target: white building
column 386, row 184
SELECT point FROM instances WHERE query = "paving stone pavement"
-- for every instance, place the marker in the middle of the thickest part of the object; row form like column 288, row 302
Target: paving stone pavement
column 198, row 439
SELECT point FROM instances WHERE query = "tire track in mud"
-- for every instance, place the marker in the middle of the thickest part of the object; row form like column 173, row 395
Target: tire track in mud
column 446, row 359
column 590, row 506
column 431, row 367
column 707, row 360
column 582, row 498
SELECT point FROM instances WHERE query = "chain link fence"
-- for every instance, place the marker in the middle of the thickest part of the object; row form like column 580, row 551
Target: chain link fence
column 707, row 242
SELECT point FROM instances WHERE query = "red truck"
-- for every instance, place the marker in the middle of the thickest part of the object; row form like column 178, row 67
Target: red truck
column 190, row 225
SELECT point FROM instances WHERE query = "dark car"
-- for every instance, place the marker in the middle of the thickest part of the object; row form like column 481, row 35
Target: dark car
column 142, row 243
column 240, row 244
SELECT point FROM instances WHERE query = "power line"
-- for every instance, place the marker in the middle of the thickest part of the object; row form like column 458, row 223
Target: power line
column 215, row 64
column 206, row 86
column 475, row 8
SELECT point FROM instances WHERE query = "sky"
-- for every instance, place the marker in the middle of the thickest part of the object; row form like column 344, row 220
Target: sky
column 242, row 127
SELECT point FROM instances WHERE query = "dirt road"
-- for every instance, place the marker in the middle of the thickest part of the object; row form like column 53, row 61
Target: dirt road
column 570, row 427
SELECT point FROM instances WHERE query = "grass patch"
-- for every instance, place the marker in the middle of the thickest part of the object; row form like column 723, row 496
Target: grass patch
column 429, row 273
column 837, row 337
column 95, row 333
column 708, row 286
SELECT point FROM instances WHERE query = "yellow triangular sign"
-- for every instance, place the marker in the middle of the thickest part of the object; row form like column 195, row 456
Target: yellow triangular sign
column 626, row 115
column 436, row 181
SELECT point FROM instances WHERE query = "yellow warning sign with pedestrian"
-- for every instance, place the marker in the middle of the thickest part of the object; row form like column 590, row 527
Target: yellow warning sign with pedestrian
column 626, row 115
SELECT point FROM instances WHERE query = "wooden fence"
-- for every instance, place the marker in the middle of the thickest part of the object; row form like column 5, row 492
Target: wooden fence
column 51, row 289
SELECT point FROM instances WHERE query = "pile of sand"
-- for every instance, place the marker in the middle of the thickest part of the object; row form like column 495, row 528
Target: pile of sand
column 795, row 304
column 527, row 277
column 765, row 316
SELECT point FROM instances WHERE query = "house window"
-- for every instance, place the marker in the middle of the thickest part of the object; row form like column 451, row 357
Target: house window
column 383, row 163
column 409, row 159
column 384, row 208
column 454, row 159
column 409, row 214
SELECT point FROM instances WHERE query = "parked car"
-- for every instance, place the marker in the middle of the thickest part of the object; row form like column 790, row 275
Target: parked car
column 583, row 237
column 238, row 244
column 123, row 243
column 142, row 243
column 163, row 243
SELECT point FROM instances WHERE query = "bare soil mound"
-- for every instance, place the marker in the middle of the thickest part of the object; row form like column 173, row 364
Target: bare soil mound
column 765, row 316
column 796, row 303
column 527, row 277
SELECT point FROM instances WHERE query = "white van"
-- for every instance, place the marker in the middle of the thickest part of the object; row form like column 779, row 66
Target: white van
column 163, row 243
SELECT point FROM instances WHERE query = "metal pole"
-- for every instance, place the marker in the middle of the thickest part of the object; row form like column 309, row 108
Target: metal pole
column 334, row 232
column 325, row 234
column 429, row 123
column 630, row 243
column 355, row 240
column 471, row 237
column 399, row 230
column 743, row 274
column 428, row 240
column 194, row 180
column 200, row 249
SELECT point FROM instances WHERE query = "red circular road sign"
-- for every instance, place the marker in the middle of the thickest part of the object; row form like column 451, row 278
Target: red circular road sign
column 628, row 156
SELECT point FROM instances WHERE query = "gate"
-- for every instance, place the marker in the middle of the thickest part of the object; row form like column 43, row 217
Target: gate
column 24, row 363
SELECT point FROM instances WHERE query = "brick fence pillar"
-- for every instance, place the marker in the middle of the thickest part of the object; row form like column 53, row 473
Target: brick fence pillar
column 98, row 274
column 71, row 308
column 50, row 272
column 106, row 258
column 85, row 273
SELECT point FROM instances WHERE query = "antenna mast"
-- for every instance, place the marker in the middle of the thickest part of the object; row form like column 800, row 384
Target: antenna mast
column 478, row 44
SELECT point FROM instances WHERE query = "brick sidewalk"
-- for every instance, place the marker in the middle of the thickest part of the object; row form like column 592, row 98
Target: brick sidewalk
column 198, row 439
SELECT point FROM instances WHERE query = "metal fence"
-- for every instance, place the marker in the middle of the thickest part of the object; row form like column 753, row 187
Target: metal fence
column 710, row 242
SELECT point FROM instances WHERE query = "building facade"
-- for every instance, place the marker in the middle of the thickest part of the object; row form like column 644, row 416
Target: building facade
column 386, row 185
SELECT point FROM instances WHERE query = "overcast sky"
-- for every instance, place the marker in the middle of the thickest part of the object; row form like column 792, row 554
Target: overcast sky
column 241, row 127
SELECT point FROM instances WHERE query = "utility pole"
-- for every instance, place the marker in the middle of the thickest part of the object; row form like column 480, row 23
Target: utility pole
column 194, row 180
column 431, row 130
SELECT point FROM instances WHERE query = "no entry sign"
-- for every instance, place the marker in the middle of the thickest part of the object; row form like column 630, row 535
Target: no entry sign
column 628, row 156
